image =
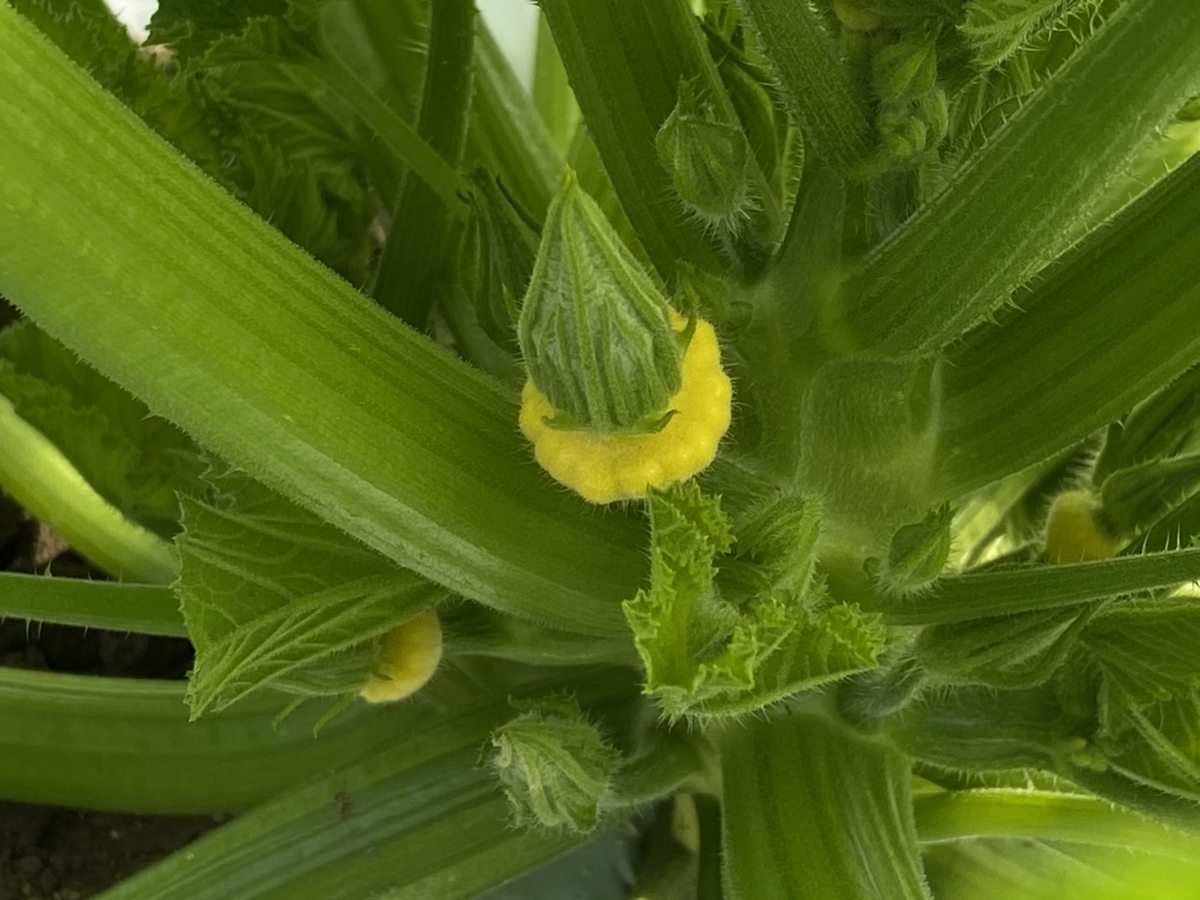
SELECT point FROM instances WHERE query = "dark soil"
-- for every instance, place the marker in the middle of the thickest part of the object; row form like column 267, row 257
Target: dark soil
column 49, row 853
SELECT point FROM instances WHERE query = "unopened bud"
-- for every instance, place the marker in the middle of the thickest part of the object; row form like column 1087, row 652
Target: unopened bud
column 555, row 766
column 708, row 160
column 594, row 330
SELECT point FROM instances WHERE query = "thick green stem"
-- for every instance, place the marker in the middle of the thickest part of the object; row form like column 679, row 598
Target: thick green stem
column 832, row 114
column 416, row 820
column 422, row 159
column 625, row 61
column 1011, row 208
column 812, row 811
column 125, row 252
column 36, row 474
column 507, row 135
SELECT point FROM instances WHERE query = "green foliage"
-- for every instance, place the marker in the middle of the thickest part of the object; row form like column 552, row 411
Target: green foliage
column 708, row 656
column 136, row 461
column 259, row 616
column 890, row 212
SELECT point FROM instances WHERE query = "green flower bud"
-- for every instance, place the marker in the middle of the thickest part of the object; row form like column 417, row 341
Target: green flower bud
column 708, row 160
column 903, row 133
column 918, row 553
column 594, row 329
column 907, row 68
column 933, row 109
column 496, row 257
column 554, row 765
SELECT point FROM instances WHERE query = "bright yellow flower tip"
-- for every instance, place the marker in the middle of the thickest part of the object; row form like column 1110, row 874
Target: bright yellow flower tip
column 604, row 468
column 410, row 655
column 1073, row 533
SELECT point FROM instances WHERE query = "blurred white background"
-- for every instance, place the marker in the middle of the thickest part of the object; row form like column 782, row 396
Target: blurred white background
column 513, row 22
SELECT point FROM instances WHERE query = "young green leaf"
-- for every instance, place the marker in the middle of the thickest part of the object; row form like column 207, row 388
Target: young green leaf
column 820, row 90
column 706, row 657
column 273, row 595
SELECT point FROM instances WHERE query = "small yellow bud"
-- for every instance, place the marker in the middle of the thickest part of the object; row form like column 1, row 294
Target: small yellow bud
column 603, row 468
column 409, row 655
column 1074, row 531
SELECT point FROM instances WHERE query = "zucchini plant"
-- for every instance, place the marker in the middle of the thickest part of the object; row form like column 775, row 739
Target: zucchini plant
column 775, row 437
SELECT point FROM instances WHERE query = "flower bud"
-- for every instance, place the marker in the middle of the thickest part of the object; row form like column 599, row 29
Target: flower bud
column 555, row 766
column 1076, row 530
column 918, row 552
column 408, row 656
column 708, row 160
column 933, row 109
column 855, row 17
column 903, row 133
column 594, row 329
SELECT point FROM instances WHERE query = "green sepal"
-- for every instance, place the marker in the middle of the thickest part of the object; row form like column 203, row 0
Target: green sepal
column 708, row 158
column 555, row 766
column 652, row 423
column 594, row 328
column 708, row 655
column 918, row 553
